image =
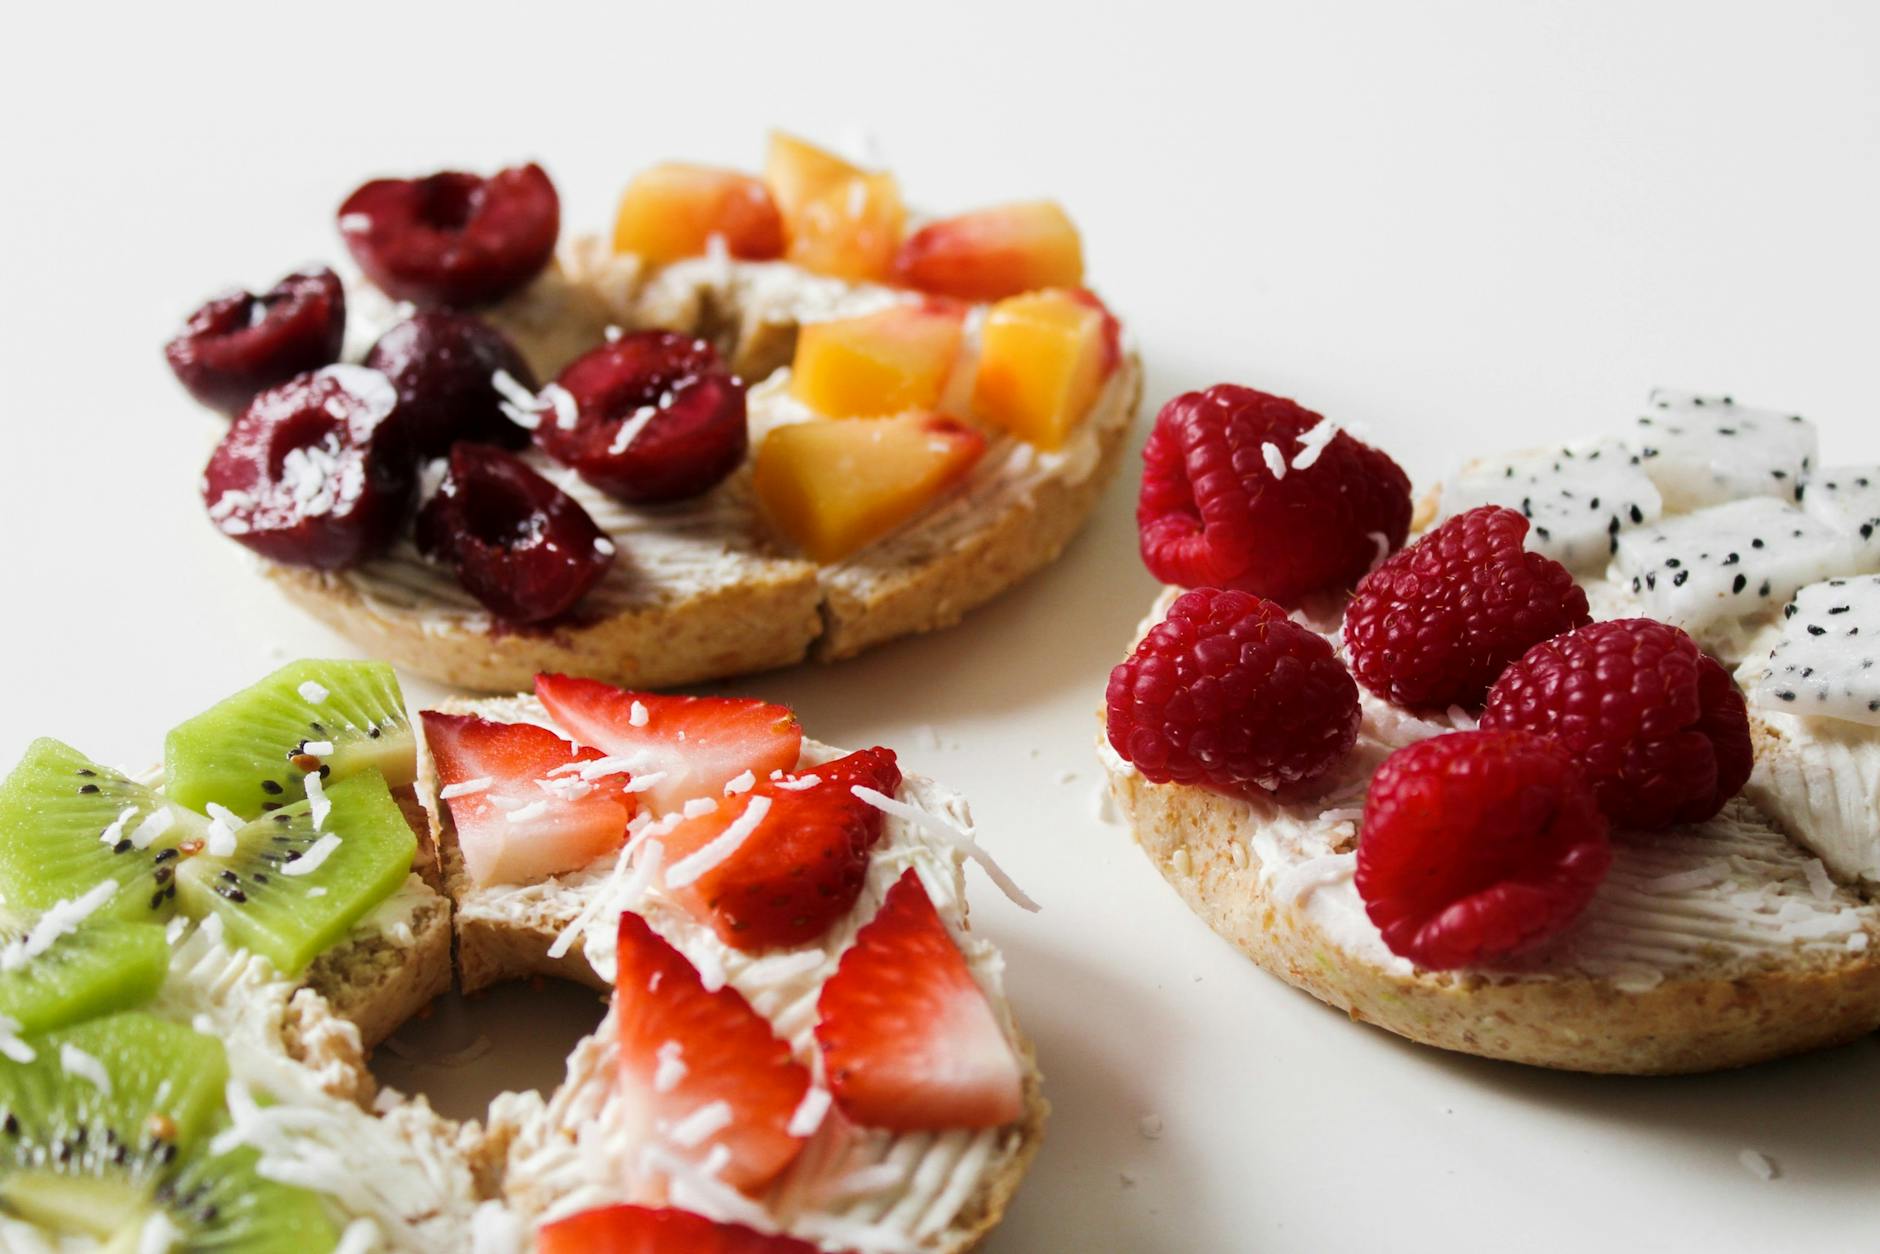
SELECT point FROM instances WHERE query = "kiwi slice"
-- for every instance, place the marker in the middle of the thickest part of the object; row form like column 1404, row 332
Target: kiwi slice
column 220, row 1204
column 294, row 886
column 68, row 824
column 250, row 752
column 101, row 965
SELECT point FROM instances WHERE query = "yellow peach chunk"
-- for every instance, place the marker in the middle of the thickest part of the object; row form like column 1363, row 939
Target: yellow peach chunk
column 833, row 488
column 881, row 363
column 850, row 229
column 993, row 253
column 1043, row 359
column 797, row 172
column 671, row 211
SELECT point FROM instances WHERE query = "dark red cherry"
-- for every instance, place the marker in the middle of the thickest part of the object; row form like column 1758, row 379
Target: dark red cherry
column 442, row 364
column 518, row 543
column 452, row 238
column 315, row 471
column 657, row 417
column 239, row 343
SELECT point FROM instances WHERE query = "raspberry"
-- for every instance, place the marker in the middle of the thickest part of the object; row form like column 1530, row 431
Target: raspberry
column 1477, row 845
column 1656, row 723
column 1437, row 623
column 1233, row 497
column 1229, row 693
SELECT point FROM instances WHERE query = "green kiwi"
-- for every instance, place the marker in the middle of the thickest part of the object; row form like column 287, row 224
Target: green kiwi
column 290, row 918
column 101, row 965
column 220, row 1204
column 67, row 824
column 249, row 751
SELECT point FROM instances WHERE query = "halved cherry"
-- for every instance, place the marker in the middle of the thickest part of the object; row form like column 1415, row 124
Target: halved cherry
column 239, row 343
column 443, row 364
column 518, row 543
column 314, row 472
column 657, row 418
column 453, row 238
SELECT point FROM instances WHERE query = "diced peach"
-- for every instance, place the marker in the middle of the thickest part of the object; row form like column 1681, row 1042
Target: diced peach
column 850, row 229
column 1043, row 359
column 834, row 487
column 671, row 211
column 994, row 253
column 880, row 363
column 798, row 172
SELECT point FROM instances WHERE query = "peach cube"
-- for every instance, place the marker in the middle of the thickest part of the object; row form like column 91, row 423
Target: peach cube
column 835, row 487
column 1043, row 359
column 850, row 229
column 670, row 212
column 994, row 253
column 797, row 171
column 880, row 363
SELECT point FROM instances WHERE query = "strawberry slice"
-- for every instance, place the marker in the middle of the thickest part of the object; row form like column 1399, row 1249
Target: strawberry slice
column 909, row 1040
column 778, row 864
column 522, row 810
column 701, row 1069
column 645, row 1230
column 697, row 744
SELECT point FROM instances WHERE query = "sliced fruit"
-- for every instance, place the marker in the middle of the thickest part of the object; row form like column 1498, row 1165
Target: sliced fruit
column 251, row 752
column 778, row 864
column 850, row 229
column 670, row 212
column 68, row 824
column 881, row 363
column 665, row 1230
column 993, row 253
column 239, row 343
column 797, row 172
column 1044, row 358
column 909, row 1040
column 834, row 487
column 299, row 878
column 523, row 808
column 694, row 745
column 223, row 1202
column 62, row 970
column 452, row 238
column 700, row 1071
column 93, row 1121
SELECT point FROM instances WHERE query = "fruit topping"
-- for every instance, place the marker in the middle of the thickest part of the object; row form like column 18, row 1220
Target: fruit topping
column 994, row 253
column 1228, row 693
column 525, row 803
column 680, row 747
column 442, row 365
column 646, row 1230
column 779, row 862
column 1436, row 624
column 1705, row 450
column 1043, row 359
column 1477, row 845
column 887, row 362
column 1823, row 665
column 1657, row 726
column 656, row 417
column 1846, row 499
column 68, row 965
column 850, row 229
column 1249, row 491
column 452, row 238
column 292, row 883
column 797, row 172
column 251, row 752
column 239, row 344
column 909, row 1039
column 833, row 488
column 672, row 211
column 519, row 544
column 314, row 472
column 1579, row 498
column 701, row 1073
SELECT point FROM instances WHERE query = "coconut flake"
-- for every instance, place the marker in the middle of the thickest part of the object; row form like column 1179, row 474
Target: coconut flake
column 224, row 823
column 75, row 1061
column 958, row 838
column 1819, row 884
column 669, row 1067
column 115, row 832
column 310, row 861
column 559, row 399
column 701, row 1125
column 534, row 810
column 159, row 1235
column 740, row 783
column 720, row 847
column 465, row 788
column 637, row 715
column 1759, row 1164
column 802, row 783
column 11, row 1046
column 361, row 1236
column 60, row 919
column 809, row 1112
column 157, row 822
column 1312, row 443
column 312, row 692
column 518, row 404
column 318, row 748
column 699, row 807
column 1275, row 460
column 495, row 1229
column 318, row 807
column 628, row 432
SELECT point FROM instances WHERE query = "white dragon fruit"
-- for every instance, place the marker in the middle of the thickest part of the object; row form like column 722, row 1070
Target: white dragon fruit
column 1728, row 562
column 1577, row 498
column 1826, row 663
column 1705, row 450
column 1847, row 498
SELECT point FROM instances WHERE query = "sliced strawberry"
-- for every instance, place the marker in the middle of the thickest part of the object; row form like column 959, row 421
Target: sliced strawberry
column 799, row 869
column 644, row 1230
column 909, row 1040
column 701, row 1069
column 698, row 744
column 524, row 811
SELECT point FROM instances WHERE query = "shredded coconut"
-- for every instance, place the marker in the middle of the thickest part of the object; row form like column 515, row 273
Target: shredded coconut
column 1818, row 882
column 318, row 807
column 1758, row 1164
column 159, row 1235
column 699, row 807
column 809, row 1112
column 115, row 832
column 534, row 810
column 669, row 1068
column 310, row 861
column 637, row 715
column 720, row 847
column 11, row 1046
column 1312, row 443
column 1275, row 460
column 312, row 692
column 59, row 920
column 318, row 748
column 466, row 788
column 740, row 783
column 224, row 823
column 157, row 822
column 701, row 1125
column 75, row 1061
column 960, row 840
column 361, row 1236
column 802, row 783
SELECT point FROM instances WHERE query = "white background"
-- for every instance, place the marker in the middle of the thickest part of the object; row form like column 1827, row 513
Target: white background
column 1466, row 226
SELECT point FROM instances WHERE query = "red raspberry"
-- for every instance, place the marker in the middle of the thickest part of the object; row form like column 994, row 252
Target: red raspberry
column 1229, row 693
column 1437, row 623
column 1478, row 844
column 1656, row 723
column 1214, row 513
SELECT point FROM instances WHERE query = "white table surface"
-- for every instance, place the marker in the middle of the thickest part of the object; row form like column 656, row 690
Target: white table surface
column 1467, row 226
